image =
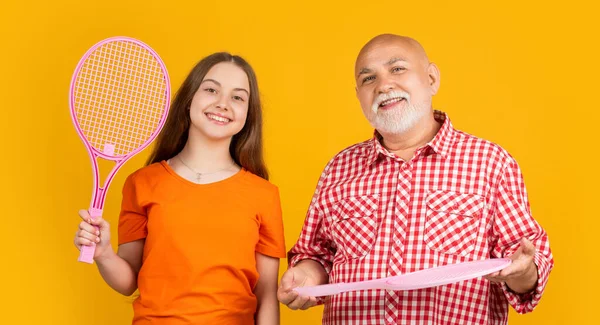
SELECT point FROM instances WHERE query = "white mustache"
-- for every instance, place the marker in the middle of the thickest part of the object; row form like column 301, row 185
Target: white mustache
column 392, row 94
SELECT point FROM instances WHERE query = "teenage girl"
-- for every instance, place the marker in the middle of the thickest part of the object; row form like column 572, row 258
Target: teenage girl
column 200, row 231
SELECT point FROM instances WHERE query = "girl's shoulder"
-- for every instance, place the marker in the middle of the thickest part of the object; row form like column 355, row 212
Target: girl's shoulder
column 257, row 185
column 257, row 180
column 147, row 173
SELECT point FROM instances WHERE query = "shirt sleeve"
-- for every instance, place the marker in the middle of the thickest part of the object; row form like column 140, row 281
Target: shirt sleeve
column 271, row 241
column 513, row 221
column 313, row 243
column 133, row 219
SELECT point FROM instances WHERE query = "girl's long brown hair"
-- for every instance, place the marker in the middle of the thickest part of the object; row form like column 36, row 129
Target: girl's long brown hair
column 246, row 147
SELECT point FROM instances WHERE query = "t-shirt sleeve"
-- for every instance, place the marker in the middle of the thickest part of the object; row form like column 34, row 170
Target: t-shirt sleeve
column 271, row 241
column 132, row 219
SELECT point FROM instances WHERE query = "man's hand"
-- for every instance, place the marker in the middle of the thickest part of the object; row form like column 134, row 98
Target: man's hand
column 306, row 273
column 521, row 275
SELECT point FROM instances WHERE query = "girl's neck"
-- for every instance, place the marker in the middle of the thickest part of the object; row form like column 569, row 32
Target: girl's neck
column 205, row 155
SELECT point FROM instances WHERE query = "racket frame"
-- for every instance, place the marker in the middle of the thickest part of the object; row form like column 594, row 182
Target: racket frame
column 399, row 282
column 99, row 191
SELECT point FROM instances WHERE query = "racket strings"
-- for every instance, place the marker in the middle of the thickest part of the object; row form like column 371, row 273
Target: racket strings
column 119, row 97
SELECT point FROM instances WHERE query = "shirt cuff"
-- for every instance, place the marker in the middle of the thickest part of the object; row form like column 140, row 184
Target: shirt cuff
column 526, row 302
column 297, row 258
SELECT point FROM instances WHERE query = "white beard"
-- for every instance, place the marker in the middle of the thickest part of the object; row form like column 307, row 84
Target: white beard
column 397, row 121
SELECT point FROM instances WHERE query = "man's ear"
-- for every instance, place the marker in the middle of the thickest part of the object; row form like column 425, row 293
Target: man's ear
column 433, row 74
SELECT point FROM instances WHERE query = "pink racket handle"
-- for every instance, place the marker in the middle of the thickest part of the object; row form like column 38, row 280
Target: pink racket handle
column 335, row 288
column 86, row 254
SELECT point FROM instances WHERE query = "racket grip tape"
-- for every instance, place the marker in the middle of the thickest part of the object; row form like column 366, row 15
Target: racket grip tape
column 86, row 253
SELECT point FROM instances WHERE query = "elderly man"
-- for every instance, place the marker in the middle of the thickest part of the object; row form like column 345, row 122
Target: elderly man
column 419, row 194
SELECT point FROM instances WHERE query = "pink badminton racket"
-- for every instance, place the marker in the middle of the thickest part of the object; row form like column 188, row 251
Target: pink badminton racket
column 427, row 278
column 119, row 99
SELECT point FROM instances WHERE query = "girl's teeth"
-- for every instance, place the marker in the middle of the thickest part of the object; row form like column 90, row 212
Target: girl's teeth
column 218, row 118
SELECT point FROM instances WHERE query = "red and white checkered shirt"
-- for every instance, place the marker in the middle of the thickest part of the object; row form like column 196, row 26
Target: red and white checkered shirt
column 373, row 215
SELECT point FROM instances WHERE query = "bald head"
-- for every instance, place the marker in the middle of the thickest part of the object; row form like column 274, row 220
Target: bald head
column 411, row 48
column 395, row 83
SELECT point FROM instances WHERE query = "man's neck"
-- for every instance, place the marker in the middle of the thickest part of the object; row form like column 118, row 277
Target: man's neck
column 404, row 145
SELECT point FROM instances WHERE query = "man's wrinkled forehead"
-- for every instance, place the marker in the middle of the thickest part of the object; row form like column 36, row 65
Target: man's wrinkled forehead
column 369, row 65
column 384, row 50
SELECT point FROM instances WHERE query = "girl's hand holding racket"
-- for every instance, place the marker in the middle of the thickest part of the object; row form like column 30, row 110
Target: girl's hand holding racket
column 93, row 232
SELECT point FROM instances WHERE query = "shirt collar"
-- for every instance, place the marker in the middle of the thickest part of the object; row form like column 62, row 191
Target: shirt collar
column 440, row 144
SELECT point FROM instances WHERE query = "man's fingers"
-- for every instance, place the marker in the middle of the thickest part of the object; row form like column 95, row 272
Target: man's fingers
column 515, row 256
column 312, row 301
column 495, row 279
column 528, row 247
column 286, row 296
column 287, row 280
column 298, row 302
column 509, row 270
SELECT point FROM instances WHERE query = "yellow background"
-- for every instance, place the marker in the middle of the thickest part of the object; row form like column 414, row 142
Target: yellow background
column 518, row 73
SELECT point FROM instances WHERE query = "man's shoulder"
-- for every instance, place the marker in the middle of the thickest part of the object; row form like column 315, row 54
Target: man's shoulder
column 351, row 156
column 466, row 143
column 359, row 150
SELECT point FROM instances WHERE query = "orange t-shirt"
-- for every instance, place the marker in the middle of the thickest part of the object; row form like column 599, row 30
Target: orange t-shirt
column 199, row 264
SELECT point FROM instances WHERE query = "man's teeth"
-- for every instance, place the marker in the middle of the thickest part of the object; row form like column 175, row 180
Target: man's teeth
column 390, row 101
column 218, row 118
